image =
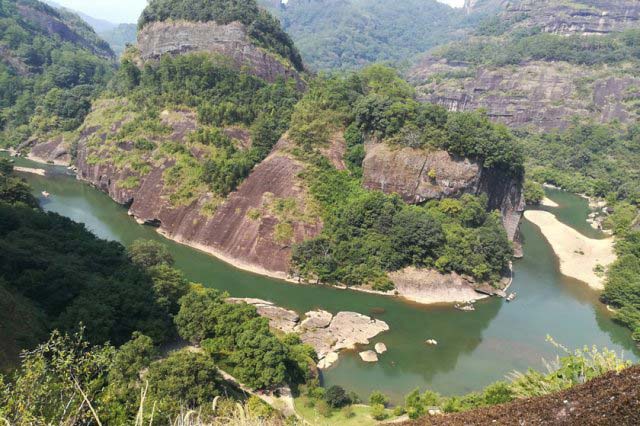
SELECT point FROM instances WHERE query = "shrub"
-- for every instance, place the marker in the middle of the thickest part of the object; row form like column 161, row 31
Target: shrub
column 378, row 412
column 336, row 397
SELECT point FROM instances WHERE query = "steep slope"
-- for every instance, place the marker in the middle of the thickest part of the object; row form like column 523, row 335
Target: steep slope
column 348, row 34
column 611, row 399
column 189, row 140
column 540, row 63
column 51, row 66
column 120, row 36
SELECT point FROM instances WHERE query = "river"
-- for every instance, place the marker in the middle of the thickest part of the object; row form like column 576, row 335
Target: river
column 475, row 348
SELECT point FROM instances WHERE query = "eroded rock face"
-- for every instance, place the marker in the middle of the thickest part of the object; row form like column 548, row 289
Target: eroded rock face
column 232, row 233
column 345, row 331
column 281, row 319
column 583, row 17
column 56, row 27
column 429, row 286
column 230, row 41
column 418, row 175
column 542, row 95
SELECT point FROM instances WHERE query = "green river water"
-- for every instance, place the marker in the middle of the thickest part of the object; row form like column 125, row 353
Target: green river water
column 475, row 348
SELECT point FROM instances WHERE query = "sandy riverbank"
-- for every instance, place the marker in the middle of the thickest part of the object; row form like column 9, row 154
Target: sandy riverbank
column 547, row 202
column 578, row 254
column 40, row 172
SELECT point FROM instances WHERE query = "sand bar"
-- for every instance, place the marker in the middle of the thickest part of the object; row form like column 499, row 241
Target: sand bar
column 547, row 202
column 578, row 254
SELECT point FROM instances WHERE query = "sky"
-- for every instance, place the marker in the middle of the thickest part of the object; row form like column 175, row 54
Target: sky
column 118, row 11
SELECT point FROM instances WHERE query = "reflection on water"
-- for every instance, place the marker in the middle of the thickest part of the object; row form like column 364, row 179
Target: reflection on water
column 475, row 348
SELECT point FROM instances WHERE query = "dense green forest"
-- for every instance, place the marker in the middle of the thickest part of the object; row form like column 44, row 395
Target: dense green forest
column 368, row 233
column 111, row 309
column 262, row 27
column 349, row 34
column 47, row 80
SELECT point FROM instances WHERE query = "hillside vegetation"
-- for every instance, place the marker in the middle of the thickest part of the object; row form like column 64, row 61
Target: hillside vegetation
column 368, row 233
column 52, row 66
column 348, row 34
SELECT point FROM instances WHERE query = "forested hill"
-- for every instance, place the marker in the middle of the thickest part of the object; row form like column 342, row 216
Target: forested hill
column 348, row 34
column 51, row 65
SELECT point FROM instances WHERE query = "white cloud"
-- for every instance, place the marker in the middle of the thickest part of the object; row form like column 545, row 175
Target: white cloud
column 454, row 3
column 116, row 11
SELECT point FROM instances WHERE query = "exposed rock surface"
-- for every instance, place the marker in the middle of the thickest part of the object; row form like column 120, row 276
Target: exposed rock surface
column 429, row 286
column 346, row 331
column 369, row 356
column 409, row 172
column 326, row 333
column 279, row 318
column 380, row 348
column 54, row 26
column 582, row 17
column 55, row 150
column 612, row 399
column 231, row 233
column 542, row 95
column 230, row 41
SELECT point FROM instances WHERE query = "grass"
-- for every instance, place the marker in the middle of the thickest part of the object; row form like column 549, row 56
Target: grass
column 361, row 415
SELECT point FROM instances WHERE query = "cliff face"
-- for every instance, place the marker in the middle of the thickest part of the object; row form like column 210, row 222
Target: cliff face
column 543, row 94
column 584, row 17
column 418, row 175
column 253, row 228
column 230, row 41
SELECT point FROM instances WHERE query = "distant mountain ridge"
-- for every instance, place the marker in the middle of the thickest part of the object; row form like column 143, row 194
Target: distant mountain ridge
column 540, row 63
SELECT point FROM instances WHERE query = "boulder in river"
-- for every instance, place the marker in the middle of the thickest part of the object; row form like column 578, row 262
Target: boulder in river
column 328, row 360
column 369, row 356
column 381, row 348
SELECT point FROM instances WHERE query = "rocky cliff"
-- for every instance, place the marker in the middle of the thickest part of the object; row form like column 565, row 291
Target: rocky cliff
column 254, row 228
column 230, row 41
column 420, row 175
column 537, row 94
column 583, row 17
column 545, row 93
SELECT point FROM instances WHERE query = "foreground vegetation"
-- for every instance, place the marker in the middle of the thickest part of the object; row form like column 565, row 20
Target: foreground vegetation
column 84, row 290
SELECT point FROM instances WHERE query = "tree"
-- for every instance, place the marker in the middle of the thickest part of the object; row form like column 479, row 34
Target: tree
column 169, row 286
column 533, row 192
column 53, row 378
column 184, row 379
column 13, row 189
column 148, row 253
column 196, row 319
column 337, row 397
column 260, row 358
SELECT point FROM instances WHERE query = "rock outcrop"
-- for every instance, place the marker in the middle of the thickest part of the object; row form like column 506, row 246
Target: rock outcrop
column 419, row 175
column 582, row 17
column 326, row 333
column 542, row 95
column 428, row 286
column 281, row 319
column 230, row 41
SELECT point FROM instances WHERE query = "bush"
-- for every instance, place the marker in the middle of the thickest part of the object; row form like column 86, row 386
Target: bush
column 379, row 398
column 378, row 412
column 336, row 397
